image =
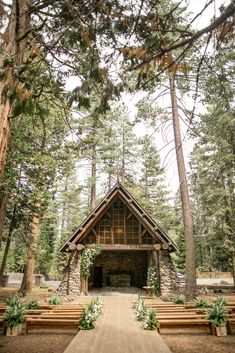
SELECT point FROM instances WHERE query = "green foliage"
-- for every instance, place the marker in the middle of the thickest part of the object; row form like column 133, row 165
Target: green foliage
column 15, row 314
column 150, row 321
column 147, row 316
column 32, row 304
column 152, row 192
column 179, row 299
column 54, row 301
column 201, row 303
column 217, row 314
column 152, row 280
column 212, row 165
column 140, row 309
column 13, row 300
column 90, row 315
column 43, row 286
column 87, row 259
column 220, row 301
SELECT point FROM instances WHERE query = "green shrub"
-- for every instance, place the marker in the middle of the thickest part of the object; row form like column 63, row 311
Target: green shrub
column 43, row 286
column 54, row 301
column 217, row 314
column 32, row 304
column 179, row 299
column 14, row 315
column 13, row 300
column 90, row 315
column 220, row 301
column 201, row 303
column 150, row 321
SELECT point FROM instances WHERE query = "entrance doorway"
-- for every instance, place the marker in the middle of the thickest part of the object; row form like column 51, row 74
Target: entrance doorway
column 98, row 277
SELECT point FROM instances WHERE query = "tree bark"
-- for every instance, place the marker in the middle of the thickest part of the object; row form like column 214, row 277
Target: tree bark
column 123, row 167
column 3, row 209
column 27, row 281
column 190, row 286
column 13, row 49
column 93, row 178
column 8, row 243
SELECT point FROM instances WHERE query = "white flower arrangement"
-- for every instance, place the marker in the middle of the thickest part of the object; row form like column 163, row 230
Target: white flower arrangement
column 147, row 316
column 90, row 315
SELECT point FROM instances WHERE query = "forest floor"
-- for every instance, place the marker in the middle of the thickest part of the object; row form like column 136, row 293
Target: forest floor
column 180, row 341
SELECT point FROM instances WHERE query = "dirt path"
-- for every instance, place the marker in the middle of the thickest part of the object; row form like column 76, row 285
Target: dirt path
column 117, row 331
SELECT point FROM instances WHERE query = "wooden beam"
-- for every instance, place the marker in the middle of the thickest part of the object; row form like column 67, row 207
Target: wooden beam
column 165, row 246
column 129, row 216
column 116, row 247
column 125, row 208
column 140, row 235
column 72, row 246
column 157, row 247
column 138, row 216
column 94, row 231
column 143, row 233
column 99, row 214
column 80, row 247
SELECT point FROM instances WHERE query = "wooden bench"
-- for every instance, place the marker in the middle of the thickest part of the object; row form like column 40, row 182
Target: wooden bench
column 50, row 323
column 55, row 316
column 179, row 323
column 231, row 324
column 1, row 322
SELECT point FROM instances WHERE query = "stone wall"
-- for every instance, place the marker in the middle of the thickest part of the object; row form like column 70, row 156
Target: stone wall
column 69, row 287
column 169, row 283
column 133, row 263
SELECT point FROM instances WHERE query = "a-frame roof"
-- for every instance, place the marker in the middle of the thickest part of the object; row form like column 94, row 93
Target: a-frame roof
column 119, row 191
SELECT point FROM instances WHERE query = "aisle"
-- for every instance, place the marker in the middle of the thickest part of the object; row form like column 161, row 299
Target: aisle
column 117, row 331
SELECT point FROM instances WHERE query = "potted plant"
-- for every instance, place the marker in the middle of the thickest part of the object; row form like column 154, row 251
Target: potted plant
column 179, row 299
column 13, row 319
column 217, row 314
column 32, row 304
column 54, row 301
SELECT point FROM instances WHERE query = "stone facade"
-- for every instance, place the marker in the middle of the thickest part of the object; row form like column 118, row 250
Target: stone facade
column 169, row 283
column 69, row 287
column 133, row 264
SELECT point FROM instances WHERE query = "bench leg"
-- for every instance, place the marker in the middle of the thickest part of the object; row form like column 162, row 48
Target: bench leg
column 229, row 328
column 212, row 330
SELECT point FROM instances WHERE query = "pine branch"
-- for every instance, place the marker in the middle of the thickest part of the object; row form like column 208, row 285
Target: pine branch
column 229, row 11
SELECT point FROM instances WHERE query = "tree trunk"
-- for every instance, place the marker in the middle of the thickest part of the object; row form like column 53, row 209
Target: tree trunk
column 109, row 179
column 190, row 287
column 123, row 166
column 93, row 178
column 8, row 243
column 27, row 281
column 3, row 209
column 13, row 49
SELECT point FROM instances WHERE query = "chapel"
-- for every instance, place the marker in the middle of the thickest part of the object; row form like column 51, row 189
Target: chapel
column 131, row 241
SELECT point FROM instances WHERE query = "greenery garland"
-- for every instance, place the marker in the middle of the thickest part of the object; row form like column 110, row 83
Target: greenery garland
column 87, row 260
column 152, row 280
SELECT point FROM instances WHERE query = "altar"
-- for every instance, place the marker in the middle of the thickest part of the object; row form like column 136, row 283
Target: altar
column 120, row 280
